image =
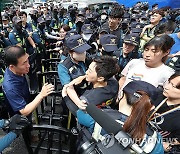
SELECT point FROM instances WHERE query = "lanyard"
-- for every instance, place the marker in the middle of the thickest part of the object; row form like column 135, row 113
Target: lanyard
column 164, row 113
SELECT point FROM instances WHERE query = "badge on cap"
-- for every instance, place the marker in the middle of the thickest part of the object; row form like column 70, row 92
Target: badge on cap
column 80, row 41
column 133, row 38
column 88, row 27
column 138, row 26
column 113, row 41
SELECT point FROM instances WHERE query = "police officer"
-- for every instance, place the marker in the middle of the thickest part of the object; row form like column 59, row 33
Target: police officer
column 44, row 31
column 71, row 15
column 34, row 16
column 6, row 28
column 74, row 65
column 109, row 45
column 129, row 50
column 26, row 25
column 20, row 37
column 113, row 25
column 32, row 28
column 87, row 32
column 45, row 12
column 55, row 23
column 62, row 18
column 80, row 18
column 103, row 17
column 41, row 28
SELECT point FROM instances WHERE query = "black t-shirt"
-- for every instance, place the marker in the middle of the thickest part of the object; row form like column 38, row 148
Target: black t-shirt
column 169, row 122
column 101, row 95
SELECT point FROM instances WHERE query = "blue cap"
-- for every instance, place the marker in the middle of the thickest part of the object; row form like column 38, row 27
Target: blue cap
column 71, row 33
column 16, row 19
column 136, row 30
column 126, row 21
column 109, row 42
column 87, row 29
column 5, row 17
column 41, row 20
column 134, row 86
column 77, row 44
column 48, row 18
column 103, row 30
column 33, row 12
column 131, row 39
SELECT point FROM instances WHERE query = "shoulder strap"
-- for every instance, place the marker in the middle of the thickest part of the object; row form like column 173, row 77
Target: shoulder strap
column 164, row 113
column 157, row 108
column 167, row 112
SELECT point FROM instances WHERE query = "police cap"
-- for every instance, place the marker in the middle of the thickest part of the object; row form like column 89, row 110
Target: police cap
column 40, row 20
column 16, row 19
column 131, row 39
column 32, row 12
column 5, row 17
column 109, row 42
column 87, row 29
column 77, row 44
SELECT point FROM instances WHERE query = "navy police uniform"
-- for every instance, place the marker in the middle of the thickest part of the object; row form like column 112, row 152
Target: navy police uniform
column 68, row 69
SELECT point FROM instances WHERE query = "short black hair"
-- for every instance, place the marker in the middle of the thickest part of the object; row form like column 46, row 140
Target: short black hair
column 12, row 54
column 154, row 5
column 22, row 12
column 106, row 67
column 117, row 11
column 163, row 42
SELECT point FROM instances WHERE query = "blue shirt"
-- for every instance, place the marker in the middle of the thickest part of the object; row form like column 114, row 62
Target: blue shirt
column 65, row 75
column 16, row 90
column 14, row 35
column 176, row 47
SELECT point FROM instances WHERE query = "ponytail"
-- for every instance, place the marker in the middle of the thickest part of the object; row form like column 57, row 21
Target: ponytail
column 135, row 125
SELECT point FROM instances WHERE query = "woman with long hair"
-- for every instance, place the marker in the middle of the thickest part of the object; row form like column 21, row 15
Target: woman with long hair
column 135, row 107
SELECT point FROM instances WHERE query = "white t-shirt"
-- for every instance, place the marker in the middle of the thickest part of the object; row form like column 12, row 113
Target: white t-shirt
column 137, row 70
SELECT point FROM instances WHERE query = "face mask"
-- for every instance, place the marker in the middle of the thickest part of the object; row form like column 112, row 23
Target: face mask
column 86, row 36
column 79, row 57
column 48, row 23
column 33, row 17
column 41, row 26
column 103, row 17
column 18, row 27
column 124, row 26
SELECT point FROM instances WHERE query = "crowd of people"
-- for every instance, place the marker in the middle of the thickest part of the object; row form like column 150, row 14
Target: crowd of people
column 125, row 61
